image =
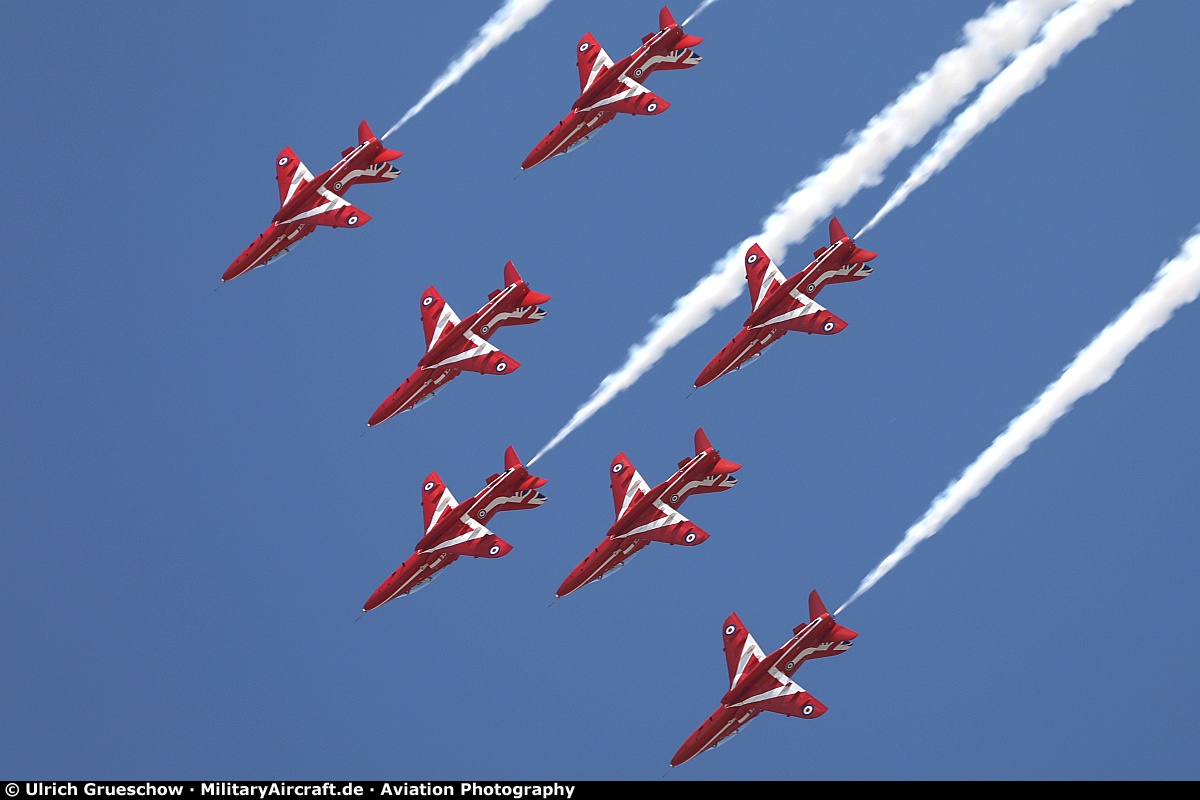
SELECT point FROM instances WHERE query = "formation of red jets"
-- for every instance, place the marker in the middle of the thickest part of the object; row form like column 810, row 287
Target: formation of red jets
column 644, row 514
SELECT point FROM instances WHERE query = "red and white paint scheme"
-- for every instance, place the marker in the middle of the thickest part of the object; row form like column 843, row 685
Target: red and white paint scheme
column 454, row 529
column 760, row 682
column 607, row 89
column 453, row 345
column 647, row 515
column 305, row 201
column 781, row 305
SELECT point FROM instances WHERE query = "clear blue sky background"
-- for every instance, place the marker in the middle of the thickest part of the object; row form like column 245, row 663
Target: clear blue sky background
column 193, row 511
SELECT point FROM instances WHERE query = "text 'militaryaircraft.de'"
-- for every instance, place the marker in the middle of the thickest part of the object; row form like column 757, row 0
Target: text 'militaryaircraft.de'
column 780, row 305
column 760, row 682
column 607, row 89
column 454, row 529
column 453, row 345
column 305, row 201
column 647, row 515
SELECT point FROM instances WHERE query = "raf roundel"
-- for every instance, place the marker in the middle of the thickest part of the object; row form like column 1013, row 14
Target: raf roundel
column 812, row 287
column 426, row 301
column 651, row 107
column 429, row 486
column 807, row 710
column 790, row 665
column 482, row 513
column 729, row 629
column 503, row 365
column 485, row 329
column 691, row 537
column 752, row 258
column 638, row 72
column 353, row 220
column 674, row 498
column 283, row 161
column 583, row 47
column 494, row 549
column 828, row 327
column 337, row 185
column 617, row 468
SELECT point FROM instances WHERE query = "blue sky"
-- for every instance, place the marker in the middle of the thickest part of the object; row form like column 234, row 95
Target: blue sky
column 194, row 511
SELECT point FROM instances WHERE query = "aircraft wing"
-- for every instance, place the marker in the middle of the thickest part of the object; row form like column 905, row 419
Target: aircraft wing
column 741, row 651
column 290, row 174
column 627, row 484
column 788, row 698
column 435, row 500
column 761, row 275
column 436, row 316
column 630, row 97
column 473, row 540
column 803, row 314
column 332, row 210
column 473, row 354
column 591, row 60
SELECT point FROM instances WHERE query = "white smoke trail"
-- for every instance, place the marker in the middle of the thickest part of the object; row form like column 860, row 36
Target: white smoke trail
column 1059, row 36
column 508, row 19
column 1176, row 284
column 696, row 13
column 989, row 41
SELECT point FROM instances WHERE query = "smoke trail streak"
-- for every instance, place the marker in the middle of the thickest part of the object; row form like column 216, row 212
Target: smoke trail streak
column 989, row 41
column 696, row 13
column 1176, row 284
column 508, row 19
column 1027, row 71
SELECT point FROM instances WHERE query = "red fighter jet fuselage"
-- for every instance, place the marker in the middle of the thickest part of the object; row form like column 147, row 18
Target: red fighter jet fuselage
column 306, row 201
column 781, row 305
column 760, row 682
column 607, row 88
column 453, row 345
column 647, row 514
column 454, row 529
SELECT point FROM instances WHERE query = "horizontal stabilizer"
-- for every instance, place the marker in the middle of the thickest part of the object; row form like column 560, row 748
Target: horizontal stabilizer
column 688, row 41
column 859, row 256
column 725, row 466
column 386, row 155
column 840, row 633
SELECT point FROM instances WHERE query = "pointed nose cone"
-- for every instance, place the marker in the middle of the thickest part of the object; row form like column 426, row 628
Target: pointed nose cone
column 709, row 373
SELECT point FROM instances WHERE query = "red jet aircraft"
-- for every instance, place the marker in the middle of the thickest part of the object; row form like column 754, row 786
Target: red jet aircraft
column 647, row 515
column 607, row 89
column 758, row 682
column 452, row 345
column 781, row 305
column 305, row 201
column 454, row 529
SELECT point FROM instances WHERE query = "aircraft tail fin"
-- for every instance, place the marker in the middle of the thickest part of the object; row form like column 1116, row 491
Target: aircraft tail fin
column 702, row 442
column 837, row 233
column 364, row 132
column 815, row 605
column 665, row 19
